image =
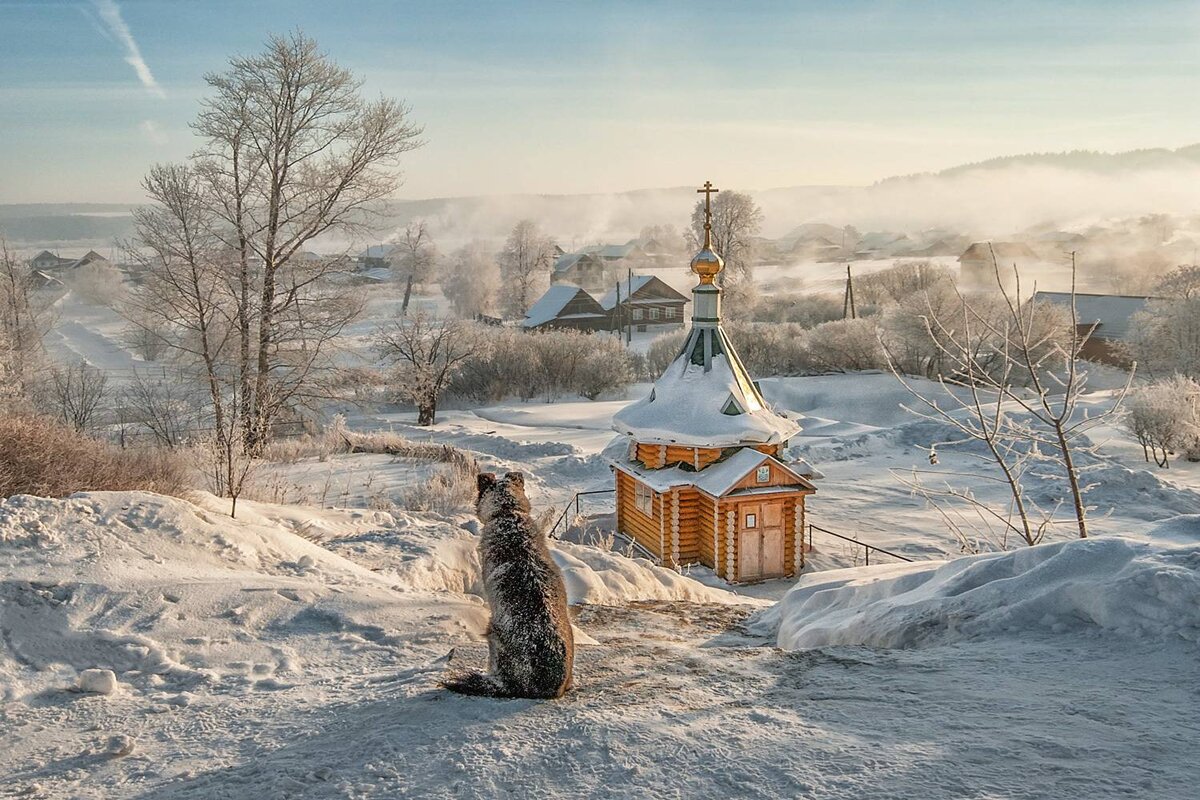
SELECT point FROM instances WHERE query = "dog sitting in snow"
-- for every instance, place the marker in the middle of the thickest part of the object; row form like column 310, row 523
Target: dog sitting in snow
column 531, row 647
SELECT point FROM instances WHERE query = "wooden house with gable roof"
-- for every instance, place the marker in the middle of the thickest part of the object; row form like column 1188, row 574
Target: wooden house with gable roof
column 700, row 469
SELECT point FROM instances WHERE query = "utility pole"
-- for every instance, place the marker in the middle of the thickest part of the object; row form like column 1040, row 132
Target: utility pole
column 616, row 320
column 629, row 299
column 848, row 298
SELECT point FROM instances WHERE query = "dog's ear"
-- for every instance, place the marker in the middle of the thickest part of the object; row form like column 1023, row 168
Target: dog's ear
column 485, row 481
column 516, row 480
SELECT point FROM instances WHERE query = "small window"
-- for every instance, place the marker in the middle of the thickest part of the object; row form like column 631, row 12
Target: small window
column 669, row 313
column 654, row 313
column 751, row 520
column 731, row 407
column 763, row 474
column 643, row 498
column 637, row 313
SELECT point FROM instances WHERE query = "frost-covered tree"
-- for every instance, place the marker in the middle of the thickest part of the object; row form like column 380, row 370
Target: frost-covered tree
column 1181, row 283
column 1164, row 416
column 1028, row 360
column 525, row 264
column 471, row 281
column 415, row 254
column 736, row 220
column 426, row 353
column 1165, row 338
column 291, row 150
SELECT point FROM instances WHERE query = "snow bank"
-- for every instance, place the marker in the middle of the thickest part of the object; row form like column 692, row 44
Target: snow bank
column 603, row 578
column 168, row 595
column 1148, row 589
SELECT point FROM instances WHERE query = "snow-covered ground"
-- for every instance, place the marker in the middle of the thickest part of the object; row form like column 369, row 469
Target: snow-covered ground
column 295, row 652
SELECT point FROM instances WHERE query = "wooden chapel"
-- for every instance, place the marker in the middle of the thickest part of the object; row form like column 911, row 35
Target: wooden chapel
column 700, row 469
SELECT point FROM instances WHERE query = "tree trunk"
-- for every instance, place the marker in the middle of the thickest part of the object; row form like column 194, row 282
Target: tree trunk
column 427, row 411
column 1072, row 479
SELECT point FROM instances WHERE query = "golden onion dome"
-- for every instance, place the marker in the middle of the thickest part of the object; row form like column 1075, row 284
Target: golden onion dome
column 707, row 264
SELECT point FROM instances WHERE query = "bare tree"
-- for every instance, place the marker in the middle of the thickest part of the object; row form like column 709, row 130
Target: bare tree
column 472, row 281
column 74, row 394
column 427, row 353
column 162, row 405
column 415, row 255
column 1027, row 361
column 973, row 407
column 737, row 219
column 24, row 322
column 292, row 150
column 525, row 264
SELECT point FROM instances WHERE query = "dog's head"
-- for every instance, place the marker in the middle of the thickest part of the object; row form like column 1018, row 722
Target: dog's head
column 497, row 495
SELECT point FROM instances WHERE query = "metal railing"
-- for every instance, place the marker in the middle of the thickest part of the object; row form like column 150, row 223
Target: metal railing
column 574, row 501
column 866, row 547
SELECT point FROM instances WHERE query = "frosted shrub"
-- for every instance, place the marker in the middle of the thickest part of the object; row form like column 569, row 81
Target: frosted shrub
column 846, row 345
column 449, row 490
column 44, row 457
column 1164, row 417
column 548, row 364
column 662, row 352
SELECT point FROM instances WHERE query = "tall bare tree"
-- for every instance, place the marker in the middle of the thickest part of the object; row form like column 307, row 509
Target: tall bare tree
column 525, row 264
column 415, row 255
column 736, row 220
column 292, row 150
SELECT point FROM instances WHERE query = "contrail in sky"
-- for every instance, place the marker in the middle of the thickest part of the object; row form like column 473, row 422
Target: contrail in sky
column 110, row 15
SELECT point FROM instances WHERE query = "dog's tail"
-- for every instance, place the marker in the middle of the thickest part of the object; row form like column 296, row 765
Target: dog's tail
column 476, row 684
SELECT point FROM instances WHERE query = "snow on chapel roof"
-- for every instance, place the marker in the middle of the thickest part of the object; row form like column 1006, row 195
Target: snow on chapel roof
column 705, row 398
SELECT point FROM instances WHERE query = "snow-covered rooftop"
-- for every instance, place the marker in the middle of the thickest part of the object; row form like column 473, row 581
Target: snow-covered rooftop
column 627, row 288
column 1111, row 313
column 715, row 480
column 714, row 407
column 550, row 304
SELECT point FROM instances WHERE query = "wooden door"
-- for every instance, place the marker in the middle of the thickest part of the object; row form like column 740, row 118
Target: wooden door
column 760, row 540
column 772, row 531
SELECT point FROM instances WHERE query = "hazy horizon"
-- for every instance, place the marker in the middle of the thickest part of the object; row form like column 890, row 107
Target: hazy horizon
column 552, row 98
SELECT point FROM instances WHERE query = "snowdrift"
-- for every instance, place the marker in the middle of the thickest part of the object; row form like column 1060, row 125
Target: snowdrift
column 170, row 595
column 1147, row 588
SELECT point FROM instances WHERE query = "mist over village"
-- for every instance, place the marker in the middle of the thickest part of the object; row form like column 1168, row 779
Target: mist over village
column 538, row 399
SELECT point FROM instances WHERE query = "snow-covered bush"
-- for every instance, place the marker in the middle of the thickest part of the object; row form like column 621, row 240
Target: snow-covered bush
column 547, row 364
column 662, row 352
column 846, row 345
column 903, row 280
column 1165, row 339
column 42, row 456
column 806, row 310
column 1164, row 417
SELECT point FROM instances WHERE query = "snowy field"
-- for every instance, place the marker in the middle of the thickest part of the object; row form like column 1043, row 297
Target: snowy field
column 295, row 652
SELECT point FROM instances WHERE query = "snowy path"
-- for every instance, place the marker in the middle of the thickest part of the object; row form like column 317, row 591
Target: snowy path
column 675, row 704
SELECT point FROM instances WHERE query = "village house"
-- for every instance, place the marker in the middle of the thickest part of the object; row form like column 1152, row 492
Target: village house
column 1105, row 319
column 567, row 307
column 700, row 467
column 644, row 302
column 582, row 269
column 46, row 261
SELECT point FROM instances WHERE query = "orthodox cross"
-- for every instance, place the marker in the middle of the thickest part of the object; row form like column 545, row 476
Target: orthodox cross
column 708, row 191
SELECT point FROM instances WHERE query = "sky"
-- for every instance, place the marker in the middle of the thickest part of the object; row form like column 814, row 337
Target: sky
column 565, row 97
